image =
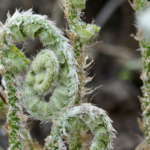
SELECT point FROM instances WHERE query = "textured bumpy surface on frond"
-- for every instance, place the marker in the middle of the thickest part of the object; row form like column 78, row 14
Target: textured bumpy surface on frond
column 74, row 127
column 59, row 70
column 55, row 68
column 143, row 17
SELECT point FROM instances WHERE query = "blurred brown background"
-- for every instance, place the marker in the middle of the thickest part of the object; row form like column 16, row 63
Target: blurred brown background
column 116, row 65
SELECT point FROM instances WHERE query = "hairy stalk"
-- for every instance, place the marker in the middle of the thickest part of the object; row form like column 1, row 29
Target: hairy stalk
column 141, row 6
column 80, row 34
column 10, row 56
column 14, row 124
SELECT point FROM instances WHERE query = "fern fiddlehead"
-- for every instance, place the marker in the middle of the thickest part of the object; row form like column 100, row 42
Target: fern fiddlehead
column 56, row 70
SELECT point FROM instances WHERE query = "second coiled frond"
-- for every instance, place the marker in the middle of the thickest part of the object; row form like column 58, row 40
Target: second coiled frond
column 82, row 127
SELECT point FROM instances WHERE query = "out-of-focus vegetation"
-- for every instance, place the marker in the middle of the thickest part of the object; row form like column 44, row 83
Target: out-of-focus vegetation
column 116, row 64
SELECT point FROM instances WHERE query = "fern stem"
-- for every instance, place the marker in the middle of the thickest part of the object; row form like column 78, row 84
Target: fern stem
column 140, row 6
column 80, row 34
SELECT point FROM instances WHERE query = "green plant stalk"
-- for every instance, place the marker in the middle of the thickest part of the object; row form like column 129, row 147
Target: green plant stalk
column 80, row 34
column 13, row 123
column 140, row 6
column 12, row 126
column 12, row 62
column 26, row 140
column 19, row 137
